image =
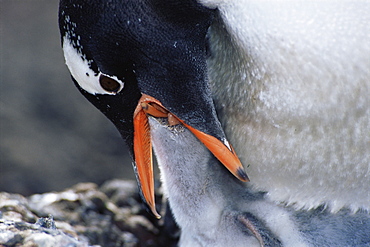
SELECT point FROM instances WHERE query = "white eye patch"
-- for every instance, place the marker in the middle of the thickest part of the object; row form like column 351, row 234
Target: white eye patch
column 87, row 79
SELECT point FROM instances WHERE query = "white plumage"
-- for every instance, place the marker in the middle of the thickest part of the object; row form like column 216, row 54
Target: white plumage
column 292, row 84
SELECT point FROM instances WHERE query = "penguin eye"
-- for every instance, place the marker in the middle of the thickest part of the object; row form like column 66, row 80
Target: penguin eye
column 109, row 84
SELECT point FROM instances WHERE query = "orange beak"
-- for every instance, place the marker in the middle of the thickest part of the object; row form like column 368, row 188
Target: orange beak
column 143, row 148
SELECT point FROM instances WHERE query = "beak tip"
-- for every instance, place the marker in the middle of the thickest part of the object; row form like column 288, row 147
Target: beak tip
column 155, row 213
column 150, row 207
column 242, row 175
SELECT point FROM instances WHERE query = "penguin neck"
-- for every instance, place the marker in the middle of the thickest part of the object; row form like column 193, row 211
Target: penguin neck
column 188, row 175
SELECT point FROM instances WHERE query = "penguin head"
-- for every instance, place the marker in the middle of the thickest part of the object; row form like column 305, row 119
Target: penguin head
column 134, row 59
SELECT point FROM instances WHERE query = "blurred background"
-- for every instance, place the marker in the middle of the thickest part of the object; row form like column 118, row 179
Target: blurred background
column 50, row 136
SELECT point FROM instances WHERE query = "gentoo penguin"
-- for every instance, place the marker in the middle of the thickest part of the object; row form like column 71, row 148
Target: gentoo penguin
column 290, row 83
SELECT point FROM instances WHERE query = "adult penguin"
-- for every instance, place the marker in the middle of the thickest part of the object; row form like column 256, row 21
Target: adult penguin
column 290, row 85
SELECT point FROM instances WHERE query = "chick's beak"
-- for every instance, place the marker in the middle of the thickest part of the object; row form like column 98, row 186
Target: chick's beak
column 149, row 106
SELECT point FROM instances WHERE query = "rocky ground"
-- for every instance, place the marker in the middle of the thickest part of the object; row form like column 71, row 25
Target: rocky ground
column 85, row 215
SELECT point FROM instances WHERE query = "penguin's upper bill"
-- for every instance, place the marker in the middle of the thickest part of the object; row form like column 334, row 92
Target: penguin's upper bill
column 131, row 66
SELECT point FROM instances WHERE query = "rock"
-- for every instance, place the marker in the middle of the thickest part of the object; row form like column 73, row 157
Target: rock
column 84, row 215
column 15, row 233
